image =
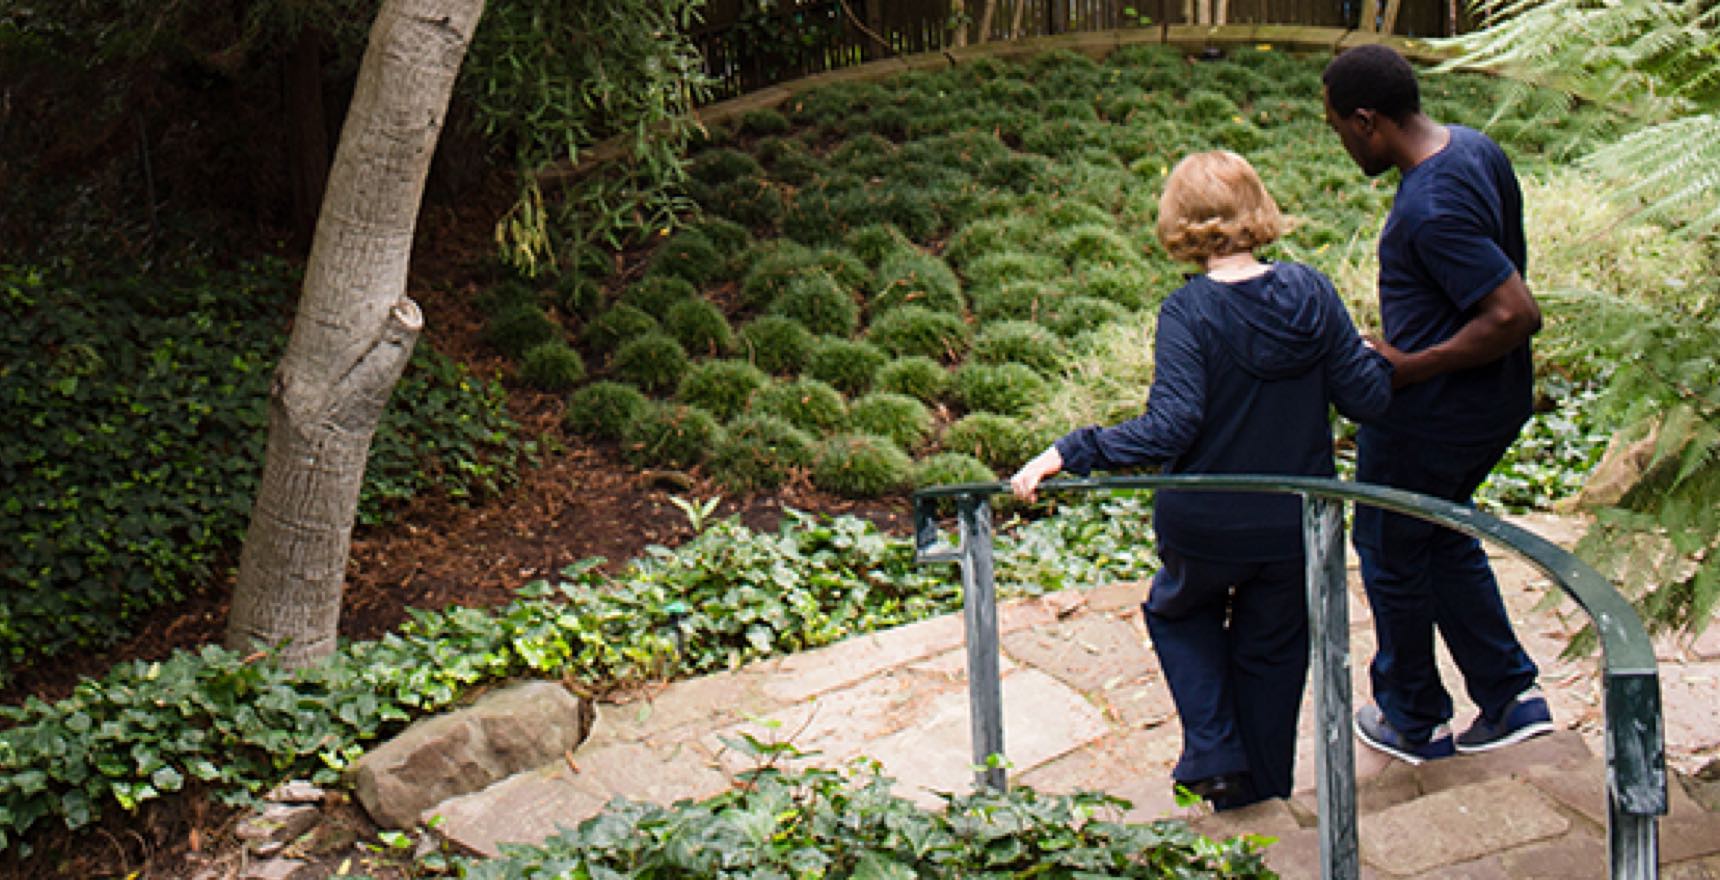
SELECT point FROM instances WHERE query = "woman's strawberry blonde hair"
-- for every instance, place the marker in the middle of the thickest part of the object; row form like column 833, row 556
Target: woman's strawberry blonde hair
column 1214, row 204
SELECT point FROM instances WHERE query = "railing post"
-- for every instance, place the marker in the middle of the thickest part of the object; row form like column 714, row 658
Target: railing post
column 1634, row 751
column 1329, row 643
column 979, row 618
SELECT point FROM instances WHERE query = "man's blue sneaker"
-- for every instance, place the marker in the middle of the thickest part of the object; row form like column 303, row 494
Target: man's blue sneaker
column 1374, row 730
column 1525, row 717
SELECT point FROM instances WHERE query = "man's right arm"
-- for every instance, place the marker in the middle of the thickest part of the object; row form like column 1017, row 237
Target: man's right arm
column 1503, row 320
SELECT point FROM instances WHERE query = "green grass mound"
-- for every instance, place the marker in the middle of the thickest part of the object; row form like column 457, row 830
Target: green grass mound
column 946, row 468
column 903, row 419
column 916, row 330
column 520, row 327
column 917, row 376
column 849, row 365
column 552, row 366
column 819, row 303
column 602, row 410
column 672, row 435
column 1010, row 389
column 776, row 344
column 807, row 404
column 914, row 278
column 655, row 362
column 1020, row 342
column 760, row 452
column 1001, row 442
column 616, row 325
column 700, row 327
column 861, row 466
column 721, row 387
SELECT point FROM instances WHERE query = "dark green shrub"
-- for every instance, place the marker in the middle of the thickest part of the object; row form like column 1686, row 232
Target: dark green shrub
column 1002, row 267
column 775, row 265
column 721, row 387
column 729, row 238
column 1011, row 389
column 807, row 404
column 552, row 366
column 1131, row 287
column 620, row 323
column 862, row 153
column 700, row 327
column 578, row 294
column 776, row 344
column 722, row 165
column 912, row 329
column 903, row 419
column 602, row 410
column 655, row 294
column 917, row 376
column 1072, row 316
column 861, row 466
column 1093, row 245
column 819, row 304
column 763, row 122
column 1022, row 342
column 1017, row 301
column 874, row 242
column 948, row 468
column 669, row 435
column 1238, row 135
column 916, row 278
column 821, row 211
column 1003, row 443
column 520, row 327
column 691, row 256
column 655, row 362
column 506, row 295
column 748, row 201
column 760, row 452
column 1013, row 234
column 1208, row 107
column 849, row 365
column 795, row 165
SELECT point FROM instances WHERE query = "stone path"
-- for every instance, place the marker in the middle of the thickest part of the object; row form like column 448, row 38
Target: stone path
column 1086, row 708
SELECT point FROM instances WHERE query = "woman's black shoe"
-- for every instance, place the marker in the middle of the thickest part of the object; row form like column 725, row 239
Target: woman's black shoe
column 1226, row 791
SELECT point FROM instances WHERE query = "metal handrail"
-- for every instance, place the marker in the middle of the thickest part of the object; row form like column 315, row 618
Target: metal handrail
column 1635, row 753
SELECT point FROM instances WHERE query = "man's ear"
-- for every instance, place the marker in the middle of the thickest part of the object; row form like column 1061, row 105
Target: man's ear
column 1367, row 121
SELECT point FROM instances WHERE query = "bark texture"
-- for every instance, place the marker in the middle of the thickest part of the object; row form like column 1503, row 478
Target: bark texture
column 352, row 336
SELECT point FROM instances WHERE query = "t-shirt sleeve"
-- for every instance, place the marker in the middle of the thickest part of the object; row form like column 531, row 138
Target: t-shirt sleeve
column 1463, row 260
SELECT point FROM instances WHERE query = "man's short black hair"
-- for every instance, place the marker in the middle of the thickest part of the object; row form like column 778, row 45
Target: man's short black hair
column 1372, row 77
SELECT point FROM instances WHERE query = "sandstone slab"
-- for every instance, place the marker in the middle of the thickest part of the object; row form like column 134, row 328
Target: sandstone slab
column 1458, row 825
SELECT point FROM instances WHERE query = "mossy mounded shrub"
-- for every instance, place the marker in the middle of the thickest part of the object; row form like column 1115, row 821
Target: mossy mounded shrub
column 776, row 344
column 1065, row 138
column 876, row 241
column 1003, row 443
column 759, row 452
column 1011, row 389
column 689, row 255
column 764, row 121
column 552, row 366
column 722, row 165
column 862, row 153
column 729, row 238
column 520, row 327
column 655, row 362
column 1016, row 233
column 1003, row 267
column 1093, row 245
column 506, row 295
column 1022, row 342
column 700, row 327
column 665, row 434
column 578, row 294
column 750, row 201
column 1017, row 301
column 1238, row 135
column 916, row 278
column 617, row 324
column 903, row 419
column 655, row 294
column 603, row 409
column 819, row 304
column 1072, row 316
column 721, row 387
column 1132, row 287
column 917, row 376
column 820, row 212
column 1069, row 108
column 861, row 466
column 773, row 265
column 1209, row 106
column 792, row 163
column 913, row 329
column 807, row 404
column 947, row 468
column 849, row 365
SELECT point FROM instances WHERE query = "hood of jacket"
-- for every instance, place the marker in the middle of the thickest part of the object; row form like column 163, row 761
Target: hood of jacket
column 1272, row 325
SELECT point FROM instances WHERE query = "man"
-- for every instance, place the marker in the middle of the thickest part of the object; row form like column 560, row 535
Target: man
column 1457, row 318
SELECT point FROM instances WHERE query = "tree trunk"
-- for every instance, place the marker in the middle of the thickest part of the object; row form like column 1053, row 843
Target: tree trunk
column 985, row 21
column 352, row 335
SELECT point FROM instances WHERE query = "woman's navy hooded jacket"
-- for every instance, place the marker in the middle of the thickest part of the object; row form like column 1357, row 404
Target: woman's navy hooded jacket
column 1245, row 376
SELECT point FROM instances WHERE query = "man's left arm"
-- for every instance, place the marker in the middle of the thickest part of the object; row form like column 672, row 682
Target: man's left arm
column 1503, row 320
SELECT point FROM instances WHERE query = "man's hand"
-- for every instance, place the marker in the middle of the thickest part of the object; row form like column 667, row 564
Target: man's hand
column 1026, row 481
column 1391, row 353
column 1501, row 321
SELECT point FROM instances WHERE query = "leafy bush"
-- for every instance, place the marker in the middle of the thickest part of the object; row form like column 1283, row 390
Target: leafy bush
column 721, row 387
column 946, row 468
column 655, row 362
column 602, row 410
column 669, row 435
column 917, row 376
column 776, row 344
column 861, row 466
column 901, row 418
column 916, row 278
column 1002, row 443
column 619, row 323
column 849, row 365
column 807, row 404
column 142, row 413
column 656, row 294
column 690, row 256
column 823, row 823
column 1010, row 389
column 916, row 330
column 700, row 327
column 759, row 452
column 1022, row 342
column 519, row 327
column 819, row 304
column 552, row 366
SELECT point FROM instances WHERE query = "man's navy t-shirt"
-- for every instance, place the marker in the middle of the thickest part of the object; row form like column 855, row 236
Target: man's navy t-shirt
column 1455, row 233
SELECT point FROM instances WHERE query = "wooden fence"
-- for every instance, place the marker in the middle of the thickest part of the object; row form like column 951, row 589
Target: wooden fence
column 749, row 44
